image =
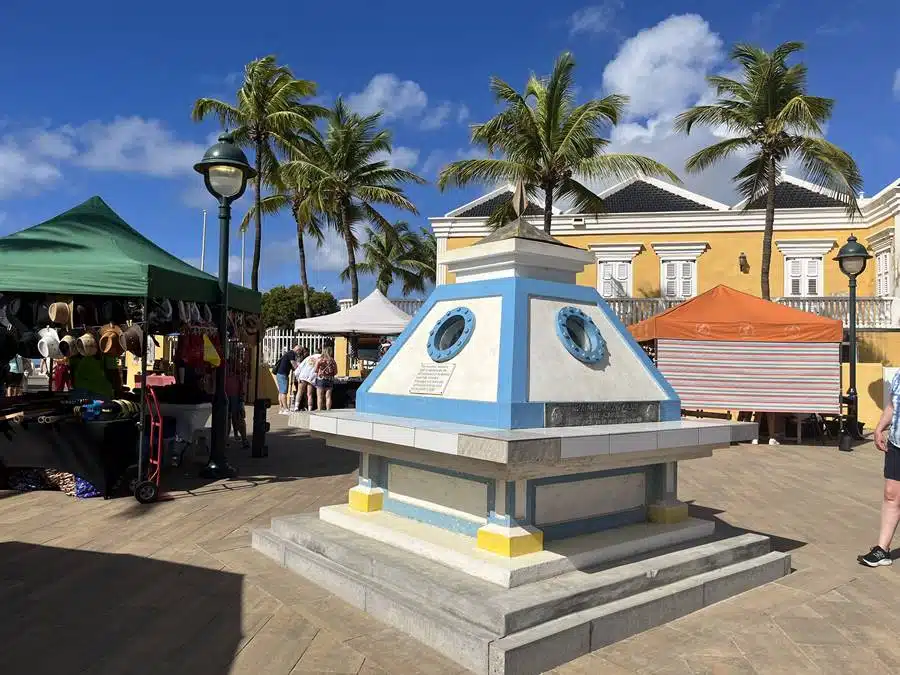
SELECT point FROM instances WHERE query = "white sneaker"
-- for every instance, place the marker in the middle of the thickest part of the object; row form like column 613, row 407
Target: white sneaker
column 755, row 441
column 284, row 412
column 772, row 441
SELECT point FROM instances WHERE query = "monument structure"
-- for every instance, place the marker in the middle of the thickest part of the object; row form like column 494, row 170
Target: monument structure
column 517, row 500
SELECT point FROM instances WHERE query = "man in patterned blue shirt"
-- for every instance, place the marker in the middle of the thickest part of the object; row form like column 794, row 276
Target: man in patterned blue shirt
column 889, row 444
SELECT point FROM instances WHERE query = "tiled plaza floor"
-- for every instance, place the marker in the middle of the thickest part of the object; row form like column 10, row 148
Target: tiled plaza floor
column 113, row 588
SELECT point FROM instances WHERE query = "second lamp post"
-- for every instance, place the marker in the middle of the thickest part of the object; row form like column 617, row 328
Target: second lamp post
column 852, row 259
column 225, row 171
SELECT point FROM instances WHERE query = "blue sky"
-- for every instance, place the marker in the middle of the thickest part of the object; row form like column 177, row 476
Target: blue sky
column 97, row 101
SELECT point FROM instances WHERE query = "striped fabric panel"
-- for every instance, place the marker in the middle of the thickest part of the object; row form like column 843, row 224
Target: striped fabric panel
column 760, row 376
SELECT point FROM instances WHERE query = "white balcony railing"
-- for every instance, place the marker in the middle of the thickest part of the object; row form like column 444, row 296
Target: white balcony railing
column 870, row 312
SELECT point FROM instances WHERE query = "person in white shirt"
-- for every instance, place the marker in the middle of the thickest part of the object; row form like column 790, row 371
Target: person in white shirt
column 305, row 375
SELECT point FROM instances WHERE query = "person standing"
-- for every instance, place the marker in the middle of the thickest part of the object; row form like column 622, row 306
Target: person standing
column 326, row 369
column 16, row 376
column 306, row 382
column 888, row 442
column 283, row 370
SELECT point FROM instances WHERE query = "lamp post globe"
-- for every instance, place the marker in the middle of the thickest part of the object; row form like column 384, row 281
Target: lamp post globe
column 225, row 171
column 851, row 258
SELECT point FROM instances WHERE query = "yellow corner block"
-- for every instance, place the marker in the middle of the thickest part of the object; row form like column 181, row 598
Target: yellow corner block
column 366, row 500
column 502, row 541
column 667, row 514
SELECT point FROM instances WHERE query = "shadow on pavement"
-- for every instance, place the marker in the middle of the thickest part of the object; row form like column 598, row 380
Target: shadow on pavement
column 725, row 530
column 72, row 611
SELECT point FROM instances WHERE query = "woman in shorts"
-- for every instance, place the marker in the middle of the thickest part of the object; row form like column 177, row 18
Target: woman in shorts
column 326, row 369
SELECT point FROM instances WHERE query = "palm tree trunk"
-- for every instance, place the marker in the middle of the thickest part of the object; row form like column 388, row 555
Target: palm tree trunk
column 548, row 207
column 257, row 238
column 304, row 279
column 767, row 233
column 351, row 266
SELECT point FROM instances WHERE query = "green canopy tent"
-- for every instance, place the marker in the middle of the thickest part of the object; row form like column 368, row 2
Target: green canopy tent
column 90, row 250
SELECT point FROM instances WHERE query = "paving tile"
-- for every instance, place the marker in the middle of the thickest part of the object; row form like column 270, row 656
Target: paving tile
column 846, row 660
column 341, row 619
column 326, row 654
column 769, row 650
column 718, row 665
column 811, row 631
column 591, row 664
column 399, row 653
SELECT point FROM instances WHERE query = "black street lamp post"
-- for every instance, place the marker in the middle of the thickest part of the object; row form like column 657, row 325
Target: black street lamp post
column 225, row 171
column 852, row 259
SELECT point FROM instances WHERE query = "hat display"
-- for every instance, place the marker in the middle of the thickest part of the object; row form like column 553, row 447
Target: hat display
column 133, row 339
column 59, row 313
column 111, row 340
column 195, row 312
column 48, row 344
column 162, row 310
column 207, row 313
column 184, row 311
column 68, row 346
column 251, row 324
column 87, row 345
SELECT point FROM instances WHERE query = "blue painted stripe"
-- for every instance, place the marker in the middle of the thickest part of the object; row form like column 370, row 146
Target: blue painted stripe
column 607, row 521
column 443, row 521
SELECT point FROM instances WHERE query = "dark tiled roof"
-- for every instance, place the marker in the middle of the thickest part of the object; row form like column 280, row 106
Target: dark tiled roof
column 790, row 196
column 519, row 229
column 642, row 197
column 486, row 209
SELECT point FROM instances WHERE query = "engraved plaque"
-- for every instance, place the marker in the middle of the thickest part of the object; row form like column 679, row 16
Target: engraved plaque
column 432, row 379
column 608, row 412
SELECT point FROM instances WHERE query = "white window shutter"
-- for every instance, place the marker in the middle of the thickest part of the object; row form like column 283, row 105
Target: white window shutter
column 795, row 287
column 606, row 270
column 812, row 285
column 670, row 270
column 796, row 268
column 622, row 272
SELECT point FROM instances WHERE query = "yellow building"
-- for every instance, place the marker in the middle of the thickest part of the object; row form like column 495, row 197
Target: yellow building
column 658, row 244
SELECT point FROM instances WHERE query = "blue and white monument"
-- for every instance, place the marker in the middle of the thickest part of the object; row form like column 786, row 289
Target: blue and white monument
column 517, row 498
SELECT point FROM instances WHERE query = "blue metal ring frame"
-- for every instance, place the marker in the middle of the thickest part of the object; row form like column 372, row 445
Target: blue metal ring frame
column 440, row 355
column 597, row 347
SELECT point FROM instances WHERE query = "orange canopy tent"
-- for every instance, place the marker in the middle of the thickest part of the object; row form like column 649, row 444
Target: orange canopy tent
column 724, row 314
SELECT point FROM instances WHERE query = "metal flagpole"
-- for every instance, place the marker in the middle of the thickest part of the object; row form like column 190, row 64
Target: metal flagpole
column 203, row 243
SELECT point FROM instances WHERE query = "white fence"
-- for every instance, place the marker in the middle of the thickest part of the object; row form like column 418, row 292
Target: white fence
column 277, row 341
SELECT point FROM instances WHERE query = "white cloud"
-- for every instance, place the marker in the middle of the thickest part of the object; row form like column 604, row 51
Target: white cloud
column 663, row 69
column 400, row 157
column 897, row 83
column 463, row 113
column 437, row 117
column 24, row 169
column 387, row 92
column 596, row 18
column 137, row 145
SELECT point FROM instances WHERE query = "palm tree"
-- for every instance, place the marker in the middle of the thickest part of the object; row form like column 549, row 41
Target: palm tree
column 770, row 117
column 291, row 196
column 269, row 112
column 347, row 181
column 424, row 256
column 550, row 143
column 391, row 257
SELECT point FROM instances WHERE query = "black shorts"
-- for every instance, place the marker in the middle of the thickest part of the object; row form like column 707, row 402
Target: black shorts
column 892, row 462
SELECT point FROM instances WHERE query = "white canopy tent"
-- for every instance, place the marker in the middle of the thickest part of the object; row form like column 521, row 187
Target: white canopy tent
column 373, row 315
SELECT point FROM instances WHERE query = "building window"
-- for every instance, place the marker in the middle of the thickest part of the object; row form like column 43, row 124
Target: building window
column 679, row 278
column 883, row 274
column 615, row 279
column 614, row 268
column 678, row 268
column 803, row 277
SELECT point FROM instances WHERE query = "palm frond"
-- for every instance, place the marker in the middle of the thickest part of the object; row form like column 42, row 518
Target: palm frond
column 710, row 155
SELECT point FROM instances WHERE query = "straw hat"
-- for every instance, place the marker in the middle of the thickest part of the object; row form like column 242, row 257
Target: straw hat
column 59, row 313
column 86, row 344
column 184, row 311
column 111, row 340
column 133, row 339
column 68, row 345
column 48, row 344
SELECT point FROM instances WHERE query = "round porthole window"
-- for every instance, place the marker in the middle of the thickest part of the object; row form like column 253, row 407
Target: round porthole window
column 450, row 334
column 580, row 335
